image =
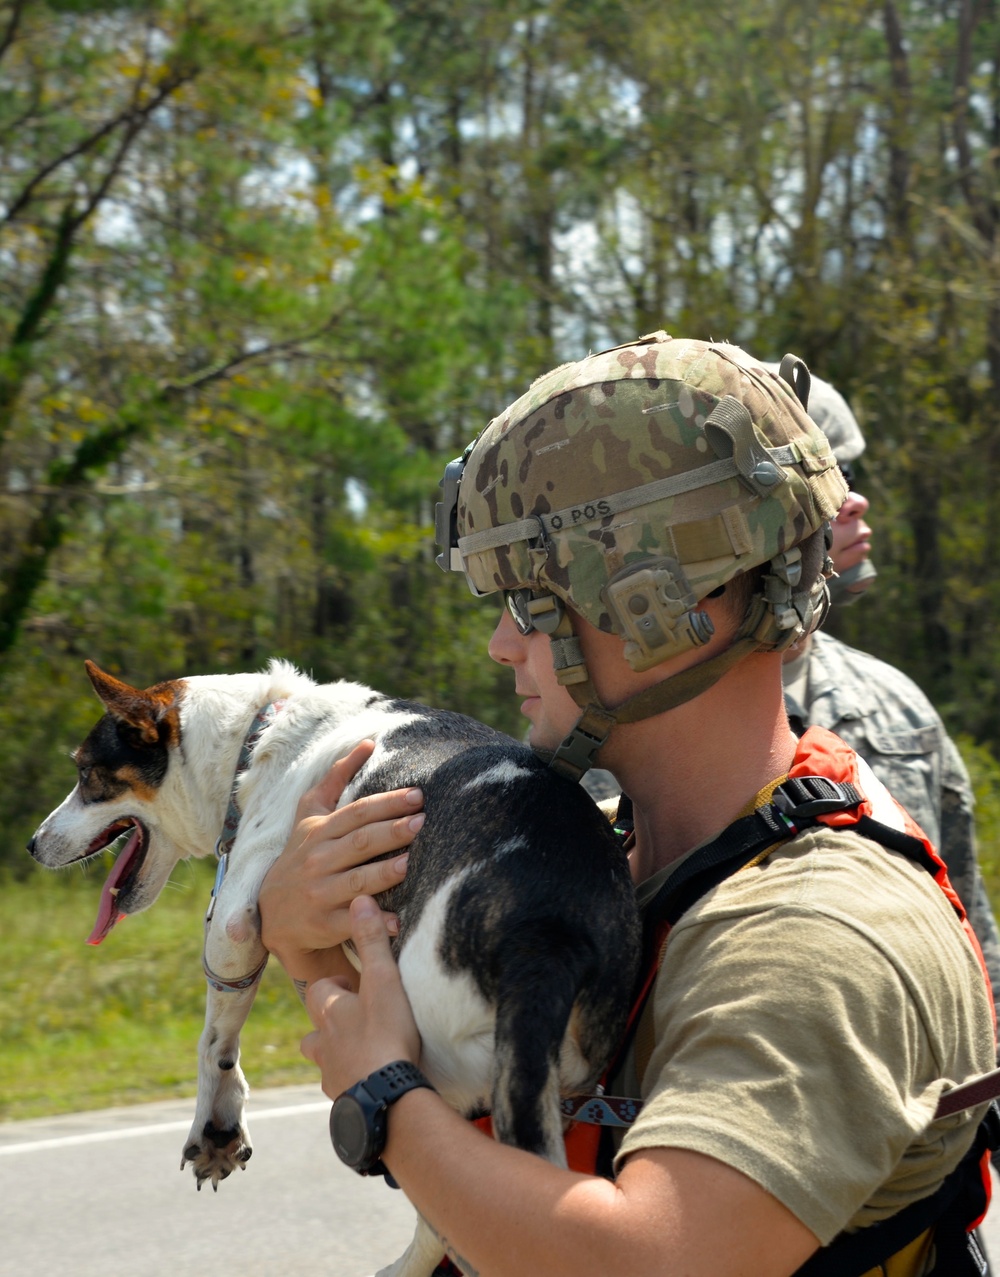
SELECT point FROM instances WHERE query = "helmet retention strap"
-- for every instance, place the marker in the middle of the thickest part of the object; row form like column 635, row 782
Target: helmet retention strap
column 576, row 753
column 771, row 624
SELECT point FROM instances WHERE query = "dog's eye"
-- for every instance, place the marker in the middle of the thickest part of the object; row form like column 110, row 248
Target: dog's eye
column 84, row 774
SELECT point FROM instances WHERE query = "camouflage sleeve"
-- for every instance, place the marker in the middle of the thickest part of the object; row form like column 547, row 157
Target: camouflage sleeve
column 958, row 850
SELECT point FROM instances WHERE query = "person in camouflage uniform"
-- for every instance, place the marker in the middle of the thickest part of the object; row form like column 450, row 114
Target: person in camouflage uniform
column 876, row 708
column 656, row 518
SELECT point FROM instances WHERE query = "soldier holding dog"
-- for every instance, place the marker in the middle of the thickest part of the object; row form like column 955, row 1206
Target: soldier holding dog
column 812, row 1004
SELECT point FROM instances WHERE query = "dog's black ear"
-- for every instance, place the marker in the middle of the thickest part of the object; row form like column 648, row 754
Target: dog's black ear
column 152, row 713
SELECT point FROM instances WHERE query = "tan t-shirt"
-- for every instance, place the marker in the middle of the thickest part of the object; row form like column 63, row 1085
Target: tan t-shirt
column 808, row 1014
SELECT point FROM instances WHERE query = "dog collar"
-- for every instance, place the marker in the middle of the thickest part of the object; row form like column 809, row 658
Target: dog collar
column 224, row 844
column 262, row 720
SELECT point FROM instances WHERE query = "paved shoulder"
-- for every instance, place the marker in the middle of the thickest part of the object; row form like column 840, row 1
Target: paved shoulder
column 100, row 1193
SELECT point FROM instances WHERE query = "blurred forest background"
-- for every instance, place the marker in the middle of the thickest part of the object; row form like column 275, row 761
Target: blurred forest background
column 265, row 267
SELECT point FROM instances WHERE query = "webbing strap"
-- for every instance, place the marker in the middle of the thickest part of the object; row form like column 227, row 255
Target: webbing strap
column 735, row 847
column 897, row 840
column 685, row 686
column 543, row 525
column 757, row 633
column 731, row 851
column 796, row 802
column 576, row 753
column 601, row 1110
column 969, row 1094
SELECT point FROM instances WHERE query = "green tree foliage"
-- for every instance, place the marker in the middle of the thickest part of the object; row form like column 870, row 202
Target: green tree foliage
column 984, row 772
column 264, row 269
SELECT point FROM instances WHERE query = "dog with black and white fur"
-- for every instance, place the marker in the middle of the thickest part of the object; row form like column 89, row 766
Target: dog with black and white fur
column 517, row 912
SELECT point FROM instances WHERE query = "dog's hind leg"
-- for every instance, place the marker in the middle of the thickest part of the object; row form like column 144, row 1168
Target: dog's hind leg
column 420, row 1258
column 538, row 1057
column 542, row 968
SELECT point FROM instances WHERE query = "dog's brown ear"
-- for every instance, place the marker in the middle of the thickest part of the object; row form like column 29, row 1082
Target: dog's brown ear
column 142, row 710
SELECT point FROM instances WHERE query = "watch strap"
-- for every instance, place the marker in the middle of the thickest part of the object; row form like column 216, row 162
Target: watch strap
column 391, row 1082
column 376, row 1094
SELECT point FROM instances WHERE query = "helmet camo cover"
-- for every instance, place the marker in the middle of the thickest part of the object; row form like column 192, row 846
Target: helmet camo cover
column 688, row 454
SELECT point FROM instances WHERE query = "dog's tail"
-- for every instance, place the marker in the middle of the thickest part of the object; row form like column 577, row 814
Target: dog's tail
column 541, row 1034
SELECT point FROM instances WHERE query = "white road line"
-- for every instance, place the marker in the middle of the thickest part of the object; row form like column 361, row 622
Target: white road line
column 100, row 1137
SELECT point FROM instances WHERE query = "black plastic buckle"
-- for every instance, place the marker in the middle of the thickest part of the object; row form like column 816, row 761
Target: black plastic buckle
column 802, row 797
column 575, row 755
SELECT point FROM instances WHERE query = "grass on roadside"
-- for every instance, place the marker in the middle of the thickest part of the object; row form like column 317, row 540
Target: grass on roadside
column 84, row 1027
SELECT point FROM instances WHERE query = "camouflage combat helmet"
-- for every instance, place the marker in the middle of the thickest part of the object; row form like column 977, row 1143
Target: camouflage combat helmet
column 632, row 484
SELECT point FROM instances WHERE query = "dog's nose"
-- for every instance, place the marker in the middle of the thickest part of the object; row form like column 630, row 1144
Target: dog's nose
column 31, row 845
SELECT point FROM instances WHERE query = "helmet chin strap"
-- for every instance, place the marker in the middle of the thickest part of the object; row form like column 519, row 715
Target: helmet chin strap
column 576, row 755
column 760, row 632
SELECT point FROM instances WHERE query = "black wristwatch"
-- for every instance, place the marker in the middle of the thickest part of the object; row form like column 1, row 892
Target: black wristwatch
column 358, row 1117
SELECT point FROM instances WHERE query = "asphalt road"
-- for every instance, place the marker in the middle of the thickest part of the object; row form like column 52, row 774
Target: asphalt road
column 99, row 1195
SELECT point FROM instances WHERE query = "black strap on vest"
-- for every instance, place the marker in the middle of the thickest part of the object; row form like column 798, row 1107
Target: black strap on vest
column 896, row 840
column 795, row 805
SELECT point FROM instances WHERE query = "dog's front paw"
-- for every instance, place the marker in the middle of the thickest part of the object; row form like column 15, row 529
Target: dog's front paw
column 215, row 1153
column 218, row 1142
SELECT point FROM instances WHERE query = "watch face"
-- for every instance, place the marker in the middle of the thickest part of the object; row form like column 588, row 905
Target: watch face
column 349, row 1130
column 358, row 1117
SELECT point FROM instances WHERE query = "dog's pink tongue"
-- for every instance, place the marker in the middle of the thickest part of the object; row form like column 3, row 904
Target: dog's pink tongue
column 108, row 912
